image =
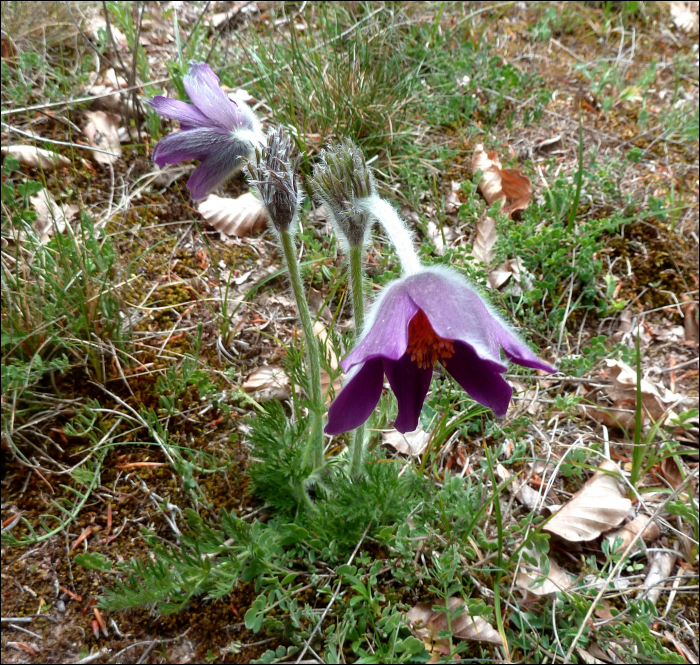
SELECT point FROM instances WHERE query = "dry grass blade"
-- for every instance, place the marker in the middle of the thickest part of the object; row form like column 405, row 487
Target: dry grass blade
column 38, row 158
column 50, row 217
column 597, row 507
column 102, row 131
column 233, row 217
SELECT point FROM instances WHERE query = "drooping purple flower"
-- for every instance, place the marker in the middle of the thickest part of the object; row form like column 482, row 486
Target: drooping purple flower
column 217, row 131
column 431, row 315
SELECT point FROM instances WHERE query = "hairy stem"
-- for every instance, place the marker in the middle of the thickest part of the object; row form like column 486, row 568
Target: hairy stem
column 314, row 447
column 358, row 307
column 397, row 231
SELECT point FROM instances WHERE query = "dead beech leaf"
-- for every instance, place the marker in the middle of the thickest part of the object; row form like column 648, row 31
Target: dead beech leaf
column 531, row 578
column 268, row 382
column 510, row 186
column 528, row 496
column 426, row 623
column 485, row 240
column 598, row 506
column 452, row 200
column 411, row 443
column 490, row 166
column 435, row 234
column 512, row 274
column 622, row 394
column 640, row 525
column 233, row 217
column 36, row 158
column 50, row 217
column 332, row 359
column 659, row 571
column 671, row 472
column 690, row 322
column 685, row 16
column 102, row 131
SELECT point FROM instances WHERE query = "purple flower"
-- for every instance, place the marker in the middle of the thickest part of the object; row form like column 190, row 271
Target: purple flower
column 215, row 130
column 432, row 315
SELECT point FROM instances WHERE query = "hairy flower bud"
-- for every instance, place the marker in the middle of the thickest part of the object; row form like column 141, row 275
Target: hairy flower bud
column 273, row 173
column 341, row 180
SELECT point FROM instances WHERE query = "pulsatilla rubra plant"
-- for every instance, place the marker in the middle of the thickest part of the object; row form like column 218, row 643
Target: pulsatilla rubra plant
column 429, row 315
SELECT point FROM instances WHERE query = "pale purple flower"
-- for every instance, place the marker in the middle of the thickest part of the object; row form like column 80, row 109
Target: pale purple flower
column 431, row 315
column 217, row 131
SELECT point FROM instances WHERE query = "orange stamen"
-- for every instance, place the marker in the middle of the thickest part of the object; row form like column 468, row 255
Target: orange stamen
column 424, row 345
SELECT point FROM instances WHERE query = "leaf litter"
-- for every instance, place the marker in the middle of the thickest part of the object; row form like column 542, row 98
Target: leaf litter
column 509, row 280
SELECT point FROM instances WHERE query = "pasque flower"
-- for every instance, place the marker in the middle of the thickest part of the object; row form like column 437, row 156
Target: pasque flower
column 430, row 315
column 217, row 131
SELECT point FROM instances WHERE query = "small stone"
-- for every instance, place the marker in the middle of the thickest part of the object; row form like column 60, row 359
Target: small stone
column 60, row 606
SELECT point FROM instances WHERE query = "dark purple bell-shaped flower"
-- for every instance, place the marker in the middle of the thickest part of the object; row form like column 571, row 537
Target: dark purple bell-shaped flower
column 433, row 315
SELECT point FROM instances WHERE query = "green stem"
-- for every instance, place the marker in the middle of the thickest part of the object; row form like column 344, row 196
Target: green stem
column 314, row 448
column 358, row 307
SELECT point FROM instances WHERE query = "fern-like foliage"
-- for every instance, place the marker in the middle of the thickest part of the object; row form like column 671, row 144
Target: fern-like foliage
column 381, row 497
column 277, row 448
column 204, row 562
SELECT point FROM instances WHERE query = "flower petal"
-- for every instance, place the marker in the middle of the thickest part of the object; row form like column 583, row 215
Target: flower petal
column 202, row 86
column 358, row 398
column 387, row 334
column 190, row 116
column 456, row 311
column 480, row 378
column 191, row 144
column 410, row 384
column 519, row 352
column 220, row 165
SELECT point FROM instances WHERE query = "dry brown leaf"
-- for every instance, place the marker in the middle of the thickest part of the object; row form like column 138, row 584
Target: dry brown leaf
column 29, row 155
column 102, row 131
column 233, row 217
column 690, row 322
column 517, row 189
column 435, row 235
column 622, row 394
column 321, row 332
column 411, row 443
column 485, row 240
column 598, row 506
column 426, row 623
column 685, row 16
column 506, row 185
column 530, row 579
column 50, row 217
column 659, row 571
column 513, row 274
column 490, row 166
column 529, row 497
column 671, row 472
column 269, row 383
column 639, row 525
column 452, row 200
